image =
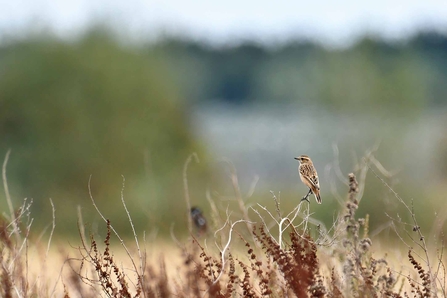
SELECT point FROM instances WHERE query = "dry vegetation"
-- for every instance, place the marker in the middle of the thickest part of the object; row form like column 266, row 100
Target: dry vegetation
column 267, row 255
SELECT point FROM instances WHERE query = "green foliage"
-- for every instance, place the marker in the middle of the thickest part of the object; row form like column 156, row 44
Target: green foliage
column 395, row 78
column 92, row 107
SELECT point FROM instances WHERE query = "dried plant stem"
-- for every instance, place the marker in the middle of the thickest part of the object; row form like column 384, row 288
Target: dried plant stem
column 290, row 221
column 8, row 196
column 418, row 230
column 217, row 220
column 336, row 163
column 252, row 188
column 142, row 260
column 48, row 246
column 185, row 187
column 81, row 223
column 330, row 178
column 289, row 218
column 52, row 228
column 240, row 200
column 226, row 247
column 263, row 221
column 18, row 252
column 111, row 227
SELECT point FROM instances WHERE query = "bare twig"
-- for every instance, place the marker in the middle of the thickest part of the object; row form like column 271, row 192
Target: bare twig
column 185, row 187
column 288, row 219
column 417, row 229
column 8, row 196
column 237, row 191
column 81, row 223
column 111, row 227
column 48, row 247
column 277, row 202
column 142, row 260
column 336, row 163
column 217, row 220
column 252, row 188
column 438, row 225
column 381, row 168
column 226, row 247
column 52, row 228
column 362, row 176
column 269, row 213
column 333, row 188
column 221, row 228
column 239, row 198
column 263, row 221
column 173, row 237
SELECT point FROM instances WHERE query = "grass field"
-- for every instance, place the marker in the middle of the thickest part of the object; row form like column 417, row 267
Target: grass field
column 275, row 253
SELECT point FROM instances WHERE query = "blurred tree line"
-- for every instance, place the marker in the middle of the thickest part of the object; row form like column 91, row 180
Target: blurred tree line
column 403, row 75
column 93, row 106
column 96, row 106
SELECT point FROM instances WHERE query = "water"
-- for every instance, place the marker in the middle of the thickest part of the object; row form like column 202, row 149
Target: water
column 263, row 140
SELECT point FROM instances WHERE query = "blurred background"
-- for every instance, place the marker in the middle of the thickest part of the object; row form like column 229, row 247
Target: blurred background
column 113, row 89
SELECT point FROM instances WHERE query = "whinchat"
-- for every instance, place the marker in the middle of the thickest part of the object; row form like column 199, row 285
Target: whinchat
column 309, row 176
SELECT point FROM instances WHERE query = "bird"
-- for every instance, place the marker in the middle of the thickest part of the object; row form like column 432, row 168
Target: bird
column 199, row 220
column 309, row 176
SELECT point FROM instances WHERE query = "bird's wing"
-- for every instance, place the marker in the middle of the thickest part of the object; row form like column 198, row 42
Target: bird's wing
column 311, row 182
column 314, row 179
column 308, row 173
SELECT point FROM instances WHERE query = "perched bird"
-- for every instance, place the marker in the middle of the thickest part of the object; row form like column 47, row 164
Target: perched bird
column 199, row 220
column 309, row 176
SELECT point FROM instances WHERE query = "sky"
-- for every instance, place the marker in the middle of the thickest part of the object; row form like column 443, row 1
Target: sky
column 327, row 21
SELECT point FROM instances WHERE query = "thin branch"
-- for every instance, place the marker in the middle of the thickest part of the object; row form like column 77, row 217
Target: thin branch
column 24, row 244
column 185, row 187
column 269, row 213
column 418, row 230
column 277, row 203
column 239, row 199
column 8, row 196
column 362, row 177
column 381, row 168
column 221, row 228
column 81, row 223
column 263, row 221
column 336, row 162
column 296, row 210
column 142, row 265
column 226, row 247
column 252, row 188
column 333, row 187
column 111, row 227
column 52, row 228
column 217, row 220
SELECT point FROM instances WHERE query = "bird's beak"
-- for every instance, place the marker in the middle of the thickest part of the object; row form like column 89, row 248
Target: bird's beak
column 296, row 158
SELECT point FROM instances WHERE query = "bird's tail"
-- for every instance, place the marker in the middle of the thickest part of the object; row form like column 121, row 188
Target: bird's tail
column 318, row 198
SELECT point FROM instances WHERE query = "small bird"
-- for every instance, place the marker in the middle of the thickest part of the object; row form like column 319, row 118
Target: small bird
column 199, row 220
column 309, row 176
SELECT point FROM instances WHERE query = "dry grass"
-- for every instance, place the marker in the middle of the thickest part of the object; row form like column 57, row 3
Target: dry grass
column 266, row 255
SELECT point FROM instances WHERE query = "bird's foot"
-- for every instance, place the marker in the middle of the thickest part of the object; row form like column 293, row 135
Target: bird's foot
column 305, row 199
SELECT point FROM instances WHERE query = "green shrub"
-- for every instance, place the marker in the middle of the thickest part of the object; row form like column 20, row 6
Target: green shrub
column 69, row 110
